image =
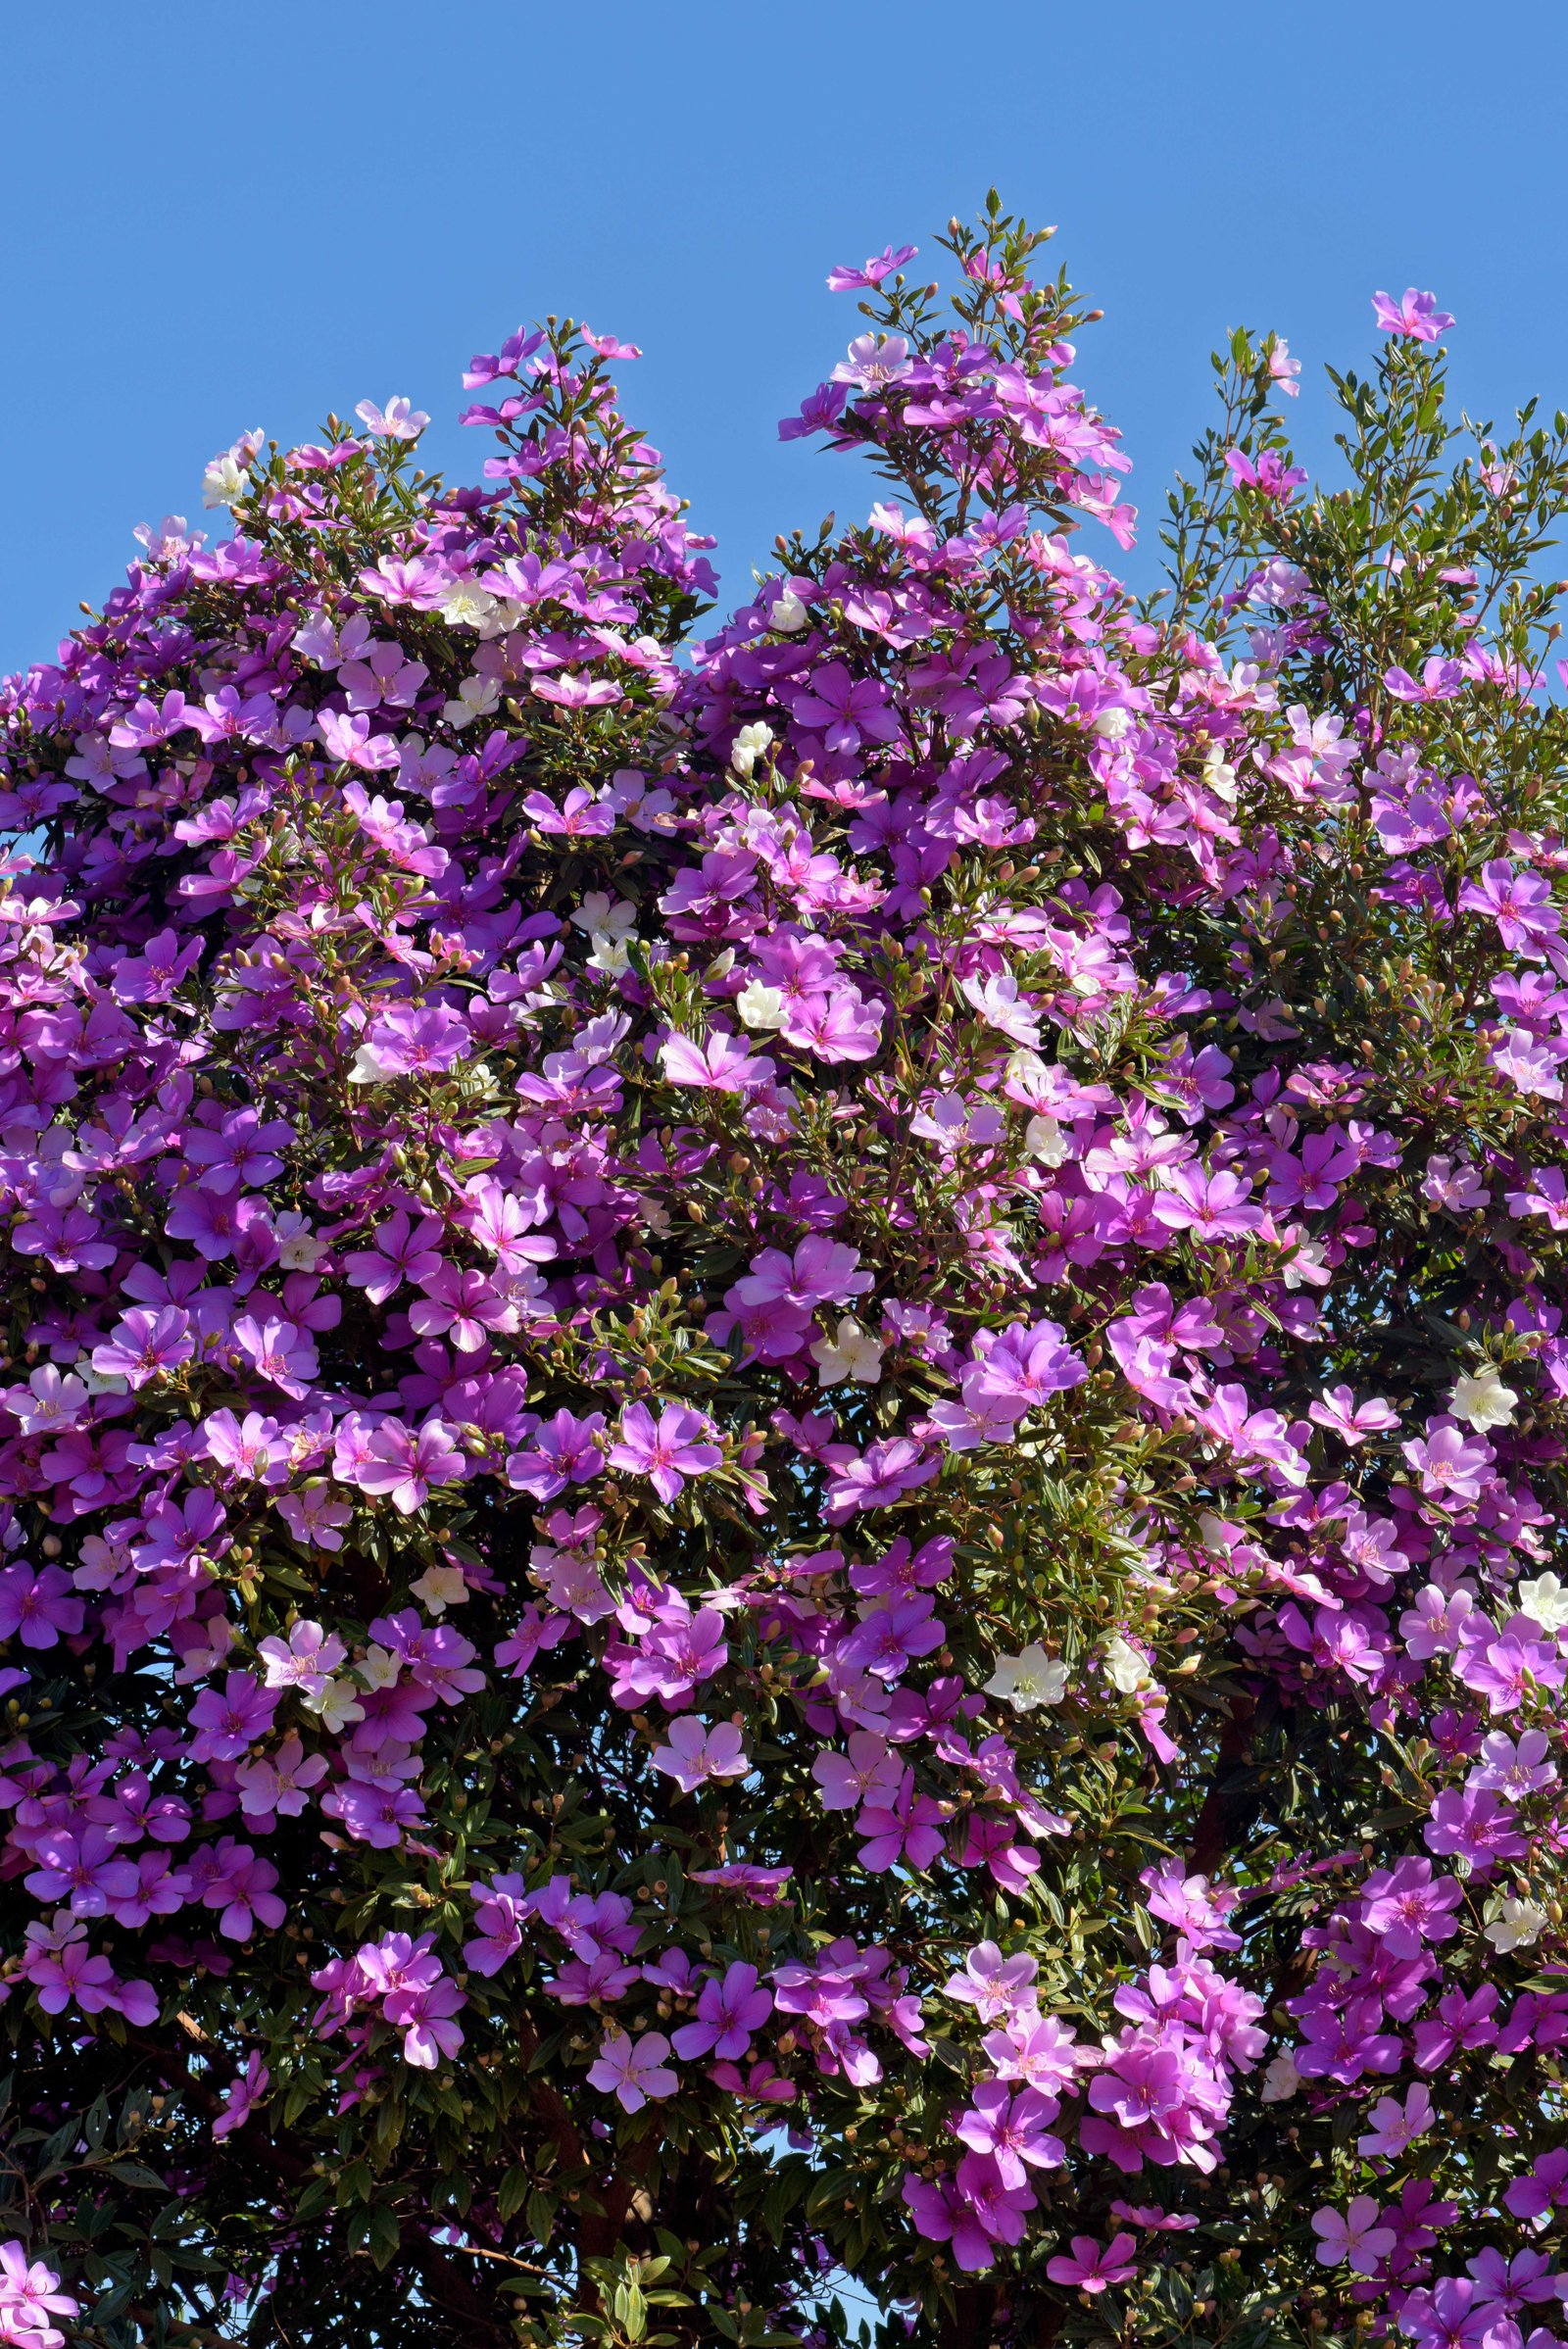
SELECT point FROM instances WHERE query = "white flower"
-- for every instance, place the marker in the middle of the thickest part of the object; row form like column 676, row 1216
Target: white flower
column 1281, row 2080
column 465, row 606
column 378, row 1667
column 474, row 699
column 338, row 1704
column 299, row 1249
column 761, row 1007
column 441, row 1587
column 611, row 955
column 1545, row 1601
column 1043, row 1140
column 1220, row 775
column 367, row 1068
column 1111, row 724
column 1482, row 1401
column 599, row 913
column 1029, row 1680
column 853, row 1355
column 1518, row 1925
column 750, row 744
column 1307, row 1258
column 97, row 1382
column 222, row 483
column 1125, row 1668
column 789, row 614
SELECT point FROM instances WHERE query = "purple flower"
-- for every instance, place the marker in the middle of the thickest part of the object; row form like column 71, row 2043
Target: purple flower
column 38, row 1607
column 418, row 1040
column 845, row 280
column 560, row 1450
column 144, row 1345
column 891, row 1634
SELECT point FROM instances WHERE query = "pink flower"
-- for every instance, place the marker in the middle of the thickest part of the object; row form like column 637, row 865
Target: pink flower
column 1395, row 2126
column 694, row 1752
column 347, row 739
column 400, row 419
column 1353, row 2239
column 725, row 1064
column 1094, row 2267
column 845, row 279
column 633, row 2069
column 1415, row 315
column 29, row 2295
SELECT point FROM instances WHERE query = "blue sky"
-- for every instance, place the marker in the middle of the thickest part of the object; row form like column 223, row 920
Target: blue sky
column 215, row 217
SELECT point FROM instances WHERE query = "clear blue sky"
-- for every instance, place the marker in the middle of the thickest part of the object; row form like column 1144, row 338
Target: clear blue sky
column 215, row 217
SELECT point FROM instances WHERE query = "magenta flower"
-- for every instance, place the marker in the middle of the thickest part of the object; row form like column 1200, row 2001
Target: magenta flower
column 347, row 739
column 891, row 1634
column 847, row 279
column 424, row 2013
column 1214, row 1206
column 668, row 1450
column 403, row 1251
column 499, row 1936
column 907, row 1831
column 229, row 1723
column 1094, row 2267
column 418, row 1040
column 995, row 1985
column 1012, row 2129
column 145, row 1346
column 560, row 1450
column 279, row 1352
column 633, row 2071
column 729, row 2008
column 848, row 709
column 241, row 2097
column 404, row 1465
column 1407, row 1906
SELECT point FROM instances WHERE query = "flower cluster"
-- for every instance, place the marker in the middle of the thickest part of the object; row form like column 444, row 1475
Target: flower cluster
column 784, row 1402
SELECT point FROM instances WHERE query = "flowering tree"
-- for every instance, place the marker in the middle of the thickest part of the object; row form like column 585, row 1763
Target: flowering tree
column 785, row 1409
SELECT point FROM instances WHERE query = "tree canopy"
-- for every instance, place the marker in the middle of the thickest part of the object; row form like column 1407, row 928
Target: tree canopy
column 784, row 1396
